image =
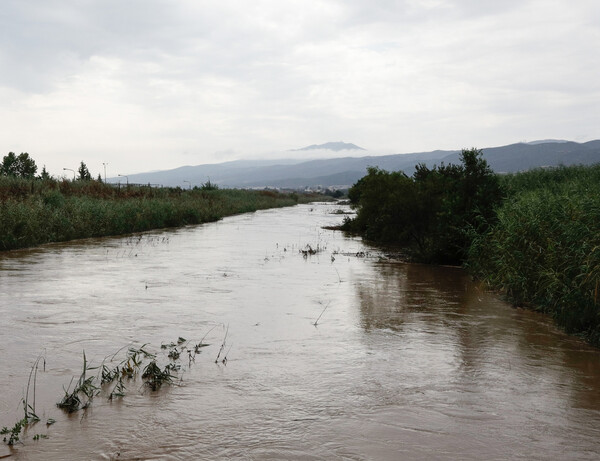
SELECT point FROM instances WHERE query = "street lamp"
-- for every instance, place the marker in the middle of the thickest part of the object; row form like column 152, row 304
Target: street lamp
column 104, row 171
column 126, row 178
column 69, row 169
column 190, row 184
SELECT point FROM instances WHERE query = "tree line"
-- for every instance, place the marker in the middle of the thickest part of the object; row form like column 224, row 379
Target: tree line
column 23, row 166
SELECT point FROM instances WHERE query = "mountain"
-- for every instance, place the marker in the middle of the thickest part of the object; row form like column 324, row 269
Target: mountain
column 334, row 146
column 545, row 141
column 345, row 171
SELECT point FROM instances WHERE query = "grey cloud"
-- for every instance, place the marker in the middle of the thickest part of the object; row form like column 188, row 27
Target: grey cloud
column 43, row 40
column 206, row 73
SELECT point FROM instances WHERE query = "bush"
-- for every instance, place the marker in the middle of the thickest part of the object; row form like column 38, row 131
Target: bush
column 433, row 214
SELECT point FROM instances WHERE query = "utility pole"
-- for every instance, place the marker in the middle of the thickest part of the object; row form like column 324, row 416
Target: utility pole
column 103, row 163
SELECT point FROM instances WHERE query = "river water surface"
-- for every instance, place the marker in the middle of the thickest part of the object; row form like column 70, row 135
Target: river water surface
column 405, row 362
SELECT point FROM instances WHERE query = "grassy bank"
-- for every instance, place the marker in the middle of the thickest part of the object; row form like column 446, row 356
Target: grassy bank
column 535, row 236
column 35, row 211
column 544, row 250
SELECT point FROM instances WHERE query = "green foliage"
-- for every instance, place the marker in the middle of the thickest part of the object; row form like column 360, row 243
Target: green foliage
column 154, row 377
column 44, row 175
column 533, row 235
column 84, row 173
column 20, row 166
column 34, row 212
column 13, row 434
column 209, row 186
column 434, row 213
column 544, row 251
column 82, row 393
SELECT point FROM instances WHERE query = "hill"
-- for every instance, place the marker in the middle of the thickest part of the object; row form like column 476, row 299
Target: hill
column 345, row 171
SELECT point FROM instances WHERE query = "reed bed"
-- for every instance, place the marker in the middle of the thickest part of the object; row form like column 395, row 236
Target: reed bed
column 544, row 250
column 34, row 212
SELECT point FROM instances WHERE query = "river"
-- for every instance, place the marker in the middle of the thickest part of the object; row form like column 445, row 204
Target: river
column 405, row 361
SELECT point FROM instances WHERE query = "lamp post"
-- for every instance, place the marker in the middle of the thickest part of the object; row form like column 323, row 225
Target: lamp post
column 126, row 178
column 69, row 169
column 190, row 184
column 103, row 163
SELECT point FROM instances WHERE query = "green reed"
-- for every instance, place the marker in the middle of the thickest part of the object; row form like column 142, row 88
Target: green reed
column 544, row 250
column 34, row 212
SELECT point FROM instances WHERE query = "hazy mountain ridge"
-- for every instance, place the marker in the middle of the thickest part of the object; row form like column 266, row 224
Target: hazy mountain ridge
column 346, row 171
column 334, row 146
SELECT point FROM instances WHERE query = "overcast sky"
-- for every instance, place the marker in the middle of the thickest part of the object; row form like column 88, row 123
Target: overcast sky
column 149, row 84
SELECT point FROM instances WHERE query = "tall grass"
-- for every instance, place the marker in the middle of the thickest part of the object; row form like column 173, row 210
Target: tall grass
column 544, row 250
column 34, row 212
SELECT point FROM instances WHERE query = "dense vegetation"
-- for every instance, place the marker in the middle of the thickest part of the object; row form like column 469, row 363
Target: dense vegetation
column 534, row 235
column 432, row 214
column 544, row 250
column 37, row 210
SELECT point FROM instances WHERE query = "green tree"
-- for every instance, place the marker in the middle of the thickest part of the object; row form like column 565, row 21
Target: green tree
column 84, row 173
column 435, row 213
column 44, row 174
column 22, row 165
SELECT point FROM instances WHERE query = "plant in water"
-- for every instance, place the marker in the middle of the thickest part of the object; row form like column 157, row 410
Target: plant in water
column 109, row 374
column 308, row 250
column 118, row 390
column 29, row 408
column 202, row 344
column 126, row 369
column 133, row 363
column 12, row 435
column 174, row 354
column 84, row 388
column 223, row 347
column 154, row 377
column 322, row 312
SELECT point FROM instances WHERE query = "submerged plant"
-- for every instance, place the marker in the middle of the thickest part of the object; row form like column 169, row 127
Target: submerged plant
column 80, row 395
column 154, row 377
column 222, row 348
column 109, row 374
column 84, row 388
column 29, row 408
column 308, row 250
column 12, row 435
column 174, row 354
column 322, row 312
column 118, row 390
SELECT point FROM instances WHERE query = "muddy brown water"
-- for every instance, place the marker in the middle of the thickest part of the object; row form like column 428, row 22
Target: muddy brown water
column 406, row 361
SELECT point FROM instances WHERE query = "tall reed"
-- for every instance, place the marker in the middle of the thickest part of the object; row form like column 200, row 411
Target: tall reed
column 34, row 212
column 544, row 250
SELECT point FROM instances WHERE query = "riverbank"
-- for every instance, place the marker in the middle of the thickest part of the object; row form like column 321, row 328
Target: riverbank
column 543, row 251
column 534, row 236
column 35, row 211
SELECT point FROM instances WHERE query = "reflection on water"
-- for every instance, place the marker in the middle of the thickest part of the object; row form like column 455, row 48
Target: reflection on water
column 406, row 362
